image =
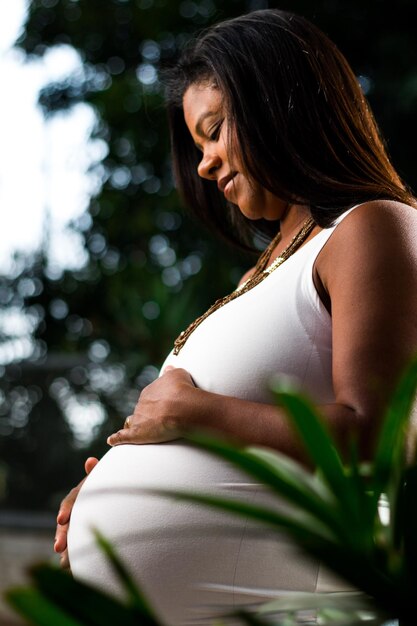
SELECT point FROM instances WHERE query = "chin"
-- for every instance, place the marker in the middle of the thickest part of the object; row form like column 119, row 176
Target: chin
column 255, row 216
column 251, row 210
column 250, row 216
column 272, row 218
column 248, row 211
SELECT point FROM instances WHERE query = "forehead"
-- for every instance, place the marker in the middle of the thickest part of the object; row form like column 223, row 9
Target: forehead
column 200, row 101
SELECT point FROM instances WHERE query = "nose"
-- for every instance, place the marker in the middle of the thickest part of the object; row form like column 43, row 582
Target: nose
column 208, row 166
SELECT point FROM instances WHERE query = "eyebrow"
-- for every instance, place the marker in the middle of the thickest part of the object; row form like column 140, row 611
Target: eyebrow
column 203, row 116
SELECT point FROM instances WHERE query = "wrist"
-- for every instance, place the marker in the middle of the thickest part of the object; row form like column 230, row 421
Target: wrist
column 184, row 415
column 205, row 410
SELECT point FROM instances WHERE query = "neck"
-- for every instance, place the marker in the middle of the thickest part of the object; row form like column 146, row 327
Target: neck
column 292, row 221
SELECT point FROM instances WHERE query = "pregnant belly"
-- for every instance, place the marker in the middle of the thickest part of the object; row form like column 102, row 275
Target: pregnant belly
column 191, row 561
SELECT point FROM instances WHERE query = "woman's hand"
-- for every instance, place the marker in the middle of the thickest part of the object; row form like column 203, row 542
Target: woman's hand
column 64, row 514
column 161, row 412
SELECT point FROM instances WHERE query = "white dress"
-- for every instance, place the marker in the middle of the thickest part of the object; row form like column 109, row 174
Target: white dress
column 194, row 562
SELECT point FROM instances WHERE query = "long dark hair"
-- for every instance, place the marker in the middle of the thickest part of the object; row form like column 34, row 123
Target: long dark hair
column 304, row 128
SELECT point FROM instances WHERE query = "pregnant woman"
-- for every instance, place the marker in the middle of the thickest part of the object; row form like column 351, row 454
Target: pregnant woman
column 271, row 135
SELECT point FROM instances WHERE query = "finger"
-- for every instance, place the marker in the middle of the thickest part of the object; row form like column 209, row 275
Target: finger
column 60, row 544
column 134, row 434
column 168, row 368
column 64, row 512
column 64, row 561
column 184, row 373
column 188, row 375
column 121, row 436
column 67, row 503
column 90, row 464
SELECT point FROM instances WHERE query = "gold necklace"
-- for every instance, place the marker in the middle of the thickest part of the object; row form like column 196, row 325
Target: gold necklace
column 260, row 273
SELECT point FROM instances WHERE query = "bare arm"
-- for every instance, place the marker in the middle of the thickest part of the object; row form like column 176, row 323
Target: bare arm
column 369, row 271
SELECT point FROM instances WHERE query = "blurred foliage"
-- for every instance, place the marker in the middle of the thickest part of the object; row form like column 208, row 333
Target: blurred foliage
column 101, row 333
column 356, row 518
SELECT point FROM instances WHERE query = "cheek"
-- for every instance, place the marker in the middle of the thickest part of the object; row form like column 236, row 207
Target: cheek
column 254, row 191
column 233, row 148
column 251, row 200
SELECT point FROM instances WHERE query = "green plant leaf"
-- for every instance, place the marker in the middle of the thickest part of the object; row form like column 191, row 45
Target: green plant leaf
column 293, row 475
column 136, row 598
column 33, row 606
column 300, row 523
column 250, row 618
column 285, row 477
column 389, row 458
column 299, row 601
column 360, row 483
column 410, row 527
column 322, row 451
column 348, row 561
column 80, row 600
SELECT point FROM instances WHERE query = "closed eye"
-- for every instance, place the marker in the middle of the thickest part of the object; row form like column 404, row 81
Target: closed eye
column 214, row 134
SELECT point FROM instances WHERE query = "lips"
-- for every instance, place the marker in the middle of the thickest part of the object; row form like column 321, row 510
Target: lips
column 224, row 183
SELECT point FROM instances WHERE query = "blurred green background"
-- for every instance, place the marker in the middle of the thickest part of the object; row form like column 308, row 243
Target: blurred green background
column 100, row 333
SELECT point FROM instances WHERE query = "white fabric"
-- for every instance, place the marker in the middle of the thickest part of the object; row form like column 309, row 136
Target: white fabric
column 279, row 326
column 193, row 561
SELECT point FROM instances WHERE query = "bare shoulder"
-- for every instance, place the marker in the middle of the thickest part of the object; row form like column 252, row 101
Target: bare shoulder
column 377, row 232
column 377, row 217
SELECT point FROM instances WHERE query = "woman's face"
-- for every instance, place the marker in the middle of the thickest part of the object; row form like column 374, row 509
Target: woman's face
column 206, row 120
